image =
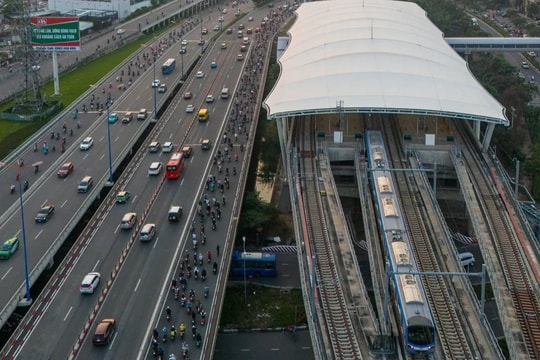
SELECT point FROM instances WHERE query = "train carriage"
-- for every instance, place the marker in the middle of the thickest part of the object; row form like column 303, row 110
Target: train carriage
column 416, row 320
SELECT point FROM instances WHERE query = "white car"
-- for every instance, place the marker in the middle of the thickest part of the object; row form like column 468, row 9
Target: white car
column 167, row 147
column 190, row 108
column 156, row 83
column 86, row 144
column 209, row 98
column 200, row 74
column 524, row 65
column 120, row 31
column 90, row 283
column 36, row 67
column 184, row 42
column 155, row 168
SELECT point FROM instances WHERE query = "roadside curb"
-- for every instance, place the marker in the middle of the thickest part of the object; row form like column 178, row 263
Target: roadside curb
column 277, row 329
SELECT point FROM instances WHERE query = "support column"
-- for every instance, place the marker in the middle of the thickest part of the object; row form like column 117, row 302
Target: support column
column 487, row 138
column 283, row 143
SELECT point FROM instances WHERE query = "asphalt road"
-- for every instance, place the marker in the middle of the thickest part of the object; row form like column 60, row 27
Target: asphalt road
column 147, row 264
column 265, row 345
column 46, row 188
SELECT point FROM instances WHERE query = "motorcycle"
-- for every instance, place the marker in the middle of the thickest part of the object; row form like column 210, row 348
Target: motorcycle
column 185, row 349
column 206, row 291
column 176, row 293
column 173, row 335
column 215, row 268
column 183, row 300
column 12, row 189
column 164, row 334
column 26, row 185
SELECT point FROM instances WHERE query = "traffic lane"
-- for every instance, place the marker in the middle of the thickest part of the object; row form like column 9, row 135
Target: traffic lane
column 89, row 168
column 264, row 345
column 187, row 186
column 153, row 268
column 106, row 246
column 149, row 266
column 213, row 239
column 17, row 281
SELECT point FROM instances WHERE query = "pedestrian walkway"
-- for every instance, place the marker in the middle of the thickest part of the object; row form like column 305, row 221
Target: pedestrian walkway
column 279, row 249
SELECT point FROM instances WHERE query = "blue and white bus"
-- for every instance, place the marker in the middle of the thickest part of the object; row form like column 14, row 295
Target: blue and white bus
column 168, row 66
column 253, row 263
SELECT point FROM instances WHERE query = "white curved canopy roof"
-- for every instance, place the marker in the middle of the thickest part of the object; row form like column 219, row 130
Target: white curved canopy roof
column 377, row 56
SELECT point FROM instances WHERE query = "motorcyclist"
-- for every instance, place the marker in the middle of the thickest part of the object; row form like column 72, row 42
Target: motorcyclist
column 173, row 332
column 155, row 333
column 203, row 274
column 12, row 189
column 206, row 291
column 215, row 267
column 196, row 272
column 182, row 328
column 198, row 339
column 164, row 333
column 209, row 255
column 25, row 186
column 168, row 311
column 200, row 258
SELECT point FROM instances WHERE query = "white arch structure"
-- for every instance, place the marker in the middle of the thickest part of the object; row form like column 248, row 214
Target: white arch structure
column 376, row 56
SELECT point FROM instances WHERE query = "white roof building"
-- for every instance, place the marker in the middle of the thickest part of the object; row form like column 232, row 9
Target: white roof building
column 375, row 56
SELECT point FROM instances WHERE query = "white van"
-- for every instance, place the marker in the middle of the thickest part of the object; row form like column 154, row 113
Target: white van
column 128, row 221
column 148, row 232
column 225, row 93
column 466, row 259
column 245, row 41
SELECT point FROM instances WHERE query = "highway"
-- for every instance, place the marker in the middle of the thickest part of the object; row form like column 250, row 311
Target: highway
column 50, row 189
column 63, row 192
column 147, row 265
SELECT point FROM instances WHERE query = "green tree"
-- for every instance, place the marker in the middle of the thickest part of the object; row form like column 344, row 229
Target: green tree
column 532, row 167
column 256, row 213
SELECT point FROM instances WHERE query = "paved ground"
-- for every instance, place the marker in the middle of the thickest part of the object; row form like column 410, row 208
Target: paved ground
column 266, row 345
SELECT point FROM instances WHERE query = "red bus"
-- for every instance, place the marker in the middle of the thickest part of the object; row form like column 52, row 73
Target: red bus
column 175, row 165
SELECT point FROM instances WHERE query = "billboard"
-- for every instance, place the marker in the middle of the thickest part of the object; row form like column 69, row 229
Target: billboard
column 55, row 33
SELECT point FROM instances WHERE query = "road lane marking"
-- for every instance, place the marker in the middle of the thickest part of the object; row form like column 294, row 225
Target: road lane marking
column 305, row 347
column 245, row 350
column 155, row 242
column 132, row 201
column 7, row 272
column 69, row 311
column 274, row 349
column 63, row 204
column 182, row 182
column 95, row 266
column 102, row 157
column 39, row 233
column 137, row 286
column 102, row 138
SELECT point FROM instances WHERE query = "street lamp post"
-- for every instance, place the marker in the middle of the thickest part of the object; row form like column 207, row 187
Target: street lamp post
column 155, row 92
column 27, row 297
column 182, row 54
column 244, row 256
column 516, row 179
column 108, row 104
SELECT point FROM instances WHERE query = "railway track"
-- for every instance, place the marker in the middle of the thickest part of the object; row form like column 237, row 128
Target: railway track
column 451, row 335
column 512, row 259
column 329, row 293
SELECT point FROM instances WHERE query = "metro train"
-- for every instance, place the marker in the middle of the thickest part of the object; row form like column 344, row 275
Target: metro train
column 416, row 320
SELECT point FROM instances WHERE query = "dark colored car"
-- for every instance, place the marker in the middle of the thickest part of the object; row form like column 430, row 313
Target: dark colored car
column 186, row 150
column 44, row 213
column 187, row 95
column 65, row 170
column 104, row 332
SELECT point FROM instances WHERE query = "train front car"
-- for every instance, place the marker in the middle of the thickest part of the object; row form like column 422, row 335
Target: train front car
column 416, row 319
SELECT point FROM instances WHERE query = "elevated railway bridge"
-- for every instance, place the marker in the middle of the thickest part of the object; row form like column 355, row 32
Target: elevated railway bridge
column 334, row 285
